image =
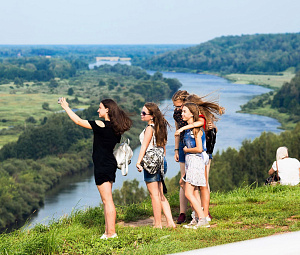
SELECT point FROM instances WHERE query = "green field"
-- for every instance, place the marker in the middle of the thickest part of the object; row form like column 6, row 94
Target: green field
column 271, row 81
column 17, row 104
column 241, row 214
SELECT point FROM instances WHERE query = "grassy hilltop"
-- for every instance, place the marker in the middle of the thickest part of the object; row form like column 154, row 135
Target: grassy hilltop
column 241, row 214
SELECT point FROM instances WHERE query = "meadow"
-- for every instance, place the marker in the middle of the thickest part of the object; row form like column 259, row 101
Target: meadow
column 242, row 214
column 19, row 103
column 270, row 81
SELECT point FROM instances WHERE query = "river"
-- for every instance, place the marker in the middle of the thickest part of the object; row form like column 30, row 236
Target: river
column 79, row 192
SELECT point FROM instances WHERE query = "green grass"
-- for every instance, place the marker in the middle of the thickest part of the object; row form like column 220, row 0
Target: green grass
column 19, row 103
column 242, row 214
column 283, row 118
column 271, row 81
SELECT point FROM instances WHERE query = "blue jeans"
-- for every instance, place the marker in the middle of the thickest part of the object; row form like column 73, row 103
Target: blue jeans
column 155, row 177
column 181, row 153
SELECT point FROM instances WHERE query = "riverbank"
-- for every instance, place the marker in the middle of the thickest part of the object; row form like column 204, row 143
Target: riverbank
column 270, row 81
column 260, row 104
column 272, row 211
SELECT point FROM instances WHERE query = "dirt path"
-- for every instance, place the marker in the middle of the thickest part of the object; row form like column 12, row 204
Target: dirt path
column 144, row 222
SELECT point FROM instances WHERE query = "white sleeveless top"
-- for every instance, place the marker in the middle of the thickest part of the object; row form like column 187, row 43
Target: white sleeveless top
column 152, row 143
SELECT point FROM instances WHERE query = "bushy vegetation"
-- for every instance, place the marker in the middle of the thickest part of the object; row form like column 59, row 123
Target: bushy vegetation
column 252, row 54
column 241, row 214
column 287, row 99
column 25, row 182
column 283, row 104
column 22, row 70
column 234, row 168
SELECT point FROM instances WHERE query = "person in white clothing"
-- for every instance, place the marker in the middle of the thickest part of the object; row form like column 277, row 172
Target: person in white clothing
column 288, row 168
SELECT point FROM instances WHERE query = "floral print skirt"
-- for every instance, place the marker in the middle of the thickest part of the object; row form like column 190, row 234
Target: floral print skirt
column 195, row 170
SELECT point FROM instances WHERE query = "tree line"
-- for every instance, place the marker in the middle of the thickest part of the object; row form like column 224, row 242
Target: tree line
column 285, row 100
column 150, row 86
column 38, row 69
column 252, row 54
column 87, row 53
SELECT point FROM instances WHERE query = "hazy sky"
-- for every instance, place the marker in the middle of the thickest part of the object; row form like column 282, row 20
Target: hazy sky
column 141, row 21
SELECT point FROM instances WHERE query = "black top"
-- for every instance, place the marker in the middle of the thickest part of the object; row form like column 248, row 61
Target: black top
column 180, row 122
column 105, row 164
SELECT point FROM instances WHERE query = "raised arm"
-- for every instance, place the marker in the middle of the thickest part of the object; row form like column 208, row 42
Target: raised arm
column 73, row 116
column 198, row 123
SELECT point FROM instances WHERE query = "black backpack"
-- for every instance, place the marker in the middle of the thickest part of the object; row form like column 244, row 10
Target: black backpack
column 211, row 137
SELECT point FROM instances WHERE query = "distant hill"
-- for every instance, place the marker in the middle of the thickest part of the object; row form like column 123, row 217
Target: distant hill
column 282, row 104
column 252, row 54
column 287, row 99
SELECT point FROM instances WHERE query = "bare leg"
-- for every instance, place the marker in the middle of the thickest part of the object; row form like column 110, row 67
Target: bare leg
column 105, row 191
column 207, row 171
column 205, row 195
column 156, row 203
column 166, row 207
column 189, row 193
column 182, row 199
column 197, row 195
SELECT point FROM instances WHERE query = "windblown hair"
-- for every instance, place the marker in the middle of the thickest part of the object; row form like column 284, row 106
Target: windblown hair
column 160, row 124
column 194, row 109
column 210, row 109
column 119, row 120
column 180, row 95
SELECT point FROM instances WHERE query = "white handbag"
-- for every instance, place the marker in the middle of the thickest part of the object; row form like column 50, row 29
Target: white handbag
column 123, row 154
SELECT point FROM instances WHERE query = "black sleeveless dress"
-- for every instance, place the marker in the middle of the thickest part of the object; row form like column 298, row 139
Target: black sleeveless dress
column 105, row 164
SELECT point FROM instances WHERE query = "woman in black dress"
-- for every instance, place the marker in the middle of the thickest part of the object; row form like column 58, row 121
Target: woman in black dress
column 107, row 134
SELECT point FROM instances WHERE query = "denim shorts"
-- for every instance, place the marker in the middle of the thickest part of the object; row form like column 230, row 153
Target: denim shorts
column 210, row 156
column 181, row 153
column 155, row 177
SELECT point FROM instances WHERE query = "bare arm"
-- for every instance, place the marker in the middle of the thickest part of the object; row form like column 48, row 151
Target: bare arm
column 177, row 140
column 198, row 148
column 73, row 116
column 271, row 171
column 198, row 123
column 144, row 146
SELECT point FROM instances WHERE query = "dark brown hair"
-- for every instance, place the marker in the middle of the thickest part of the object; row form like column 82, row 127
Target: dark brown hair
column 119, row 120
column 160, row 124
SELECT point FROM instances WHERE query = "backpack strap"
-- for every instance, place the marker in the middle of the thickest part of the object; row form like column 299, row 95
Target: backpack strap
column 154, row 139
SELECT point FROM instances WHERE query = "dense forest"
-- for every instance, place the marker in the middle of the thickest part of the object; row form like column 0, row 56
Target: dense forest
column 285, row 100
column 20, row 70
column 252, row 54
column 52, row 147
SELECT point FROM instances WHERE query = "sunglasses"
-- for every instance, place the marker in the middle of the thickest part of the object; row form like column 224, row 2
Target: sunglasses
column 144, row 113
column 177, row 107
